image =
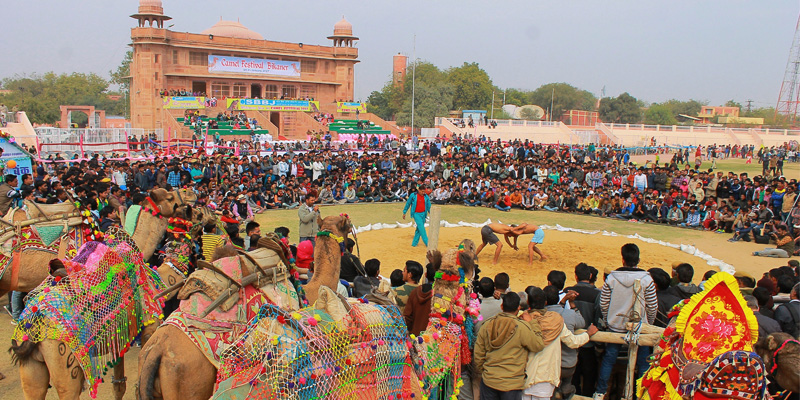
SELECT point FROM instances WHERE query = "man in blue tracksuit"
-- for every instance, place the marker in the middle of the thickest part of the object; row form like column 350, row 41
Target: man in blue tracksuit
column 420, row 205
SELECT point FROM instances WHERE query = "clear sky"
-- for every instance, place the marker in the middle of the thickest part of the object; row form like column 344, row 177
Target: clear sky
column 712, row 50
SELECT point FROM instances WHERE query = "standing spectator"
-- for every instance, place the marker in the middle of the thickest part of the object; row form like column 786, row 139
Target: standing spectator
column 490, row 305
column 542, row 369
column 788, row 314
column 308, row 213
column 766, row 325
column 618, row 300
column 666, row 299
column 501, row 351
column 588, row 306
column 8, row 193
column 685, row 288
column 418, row 307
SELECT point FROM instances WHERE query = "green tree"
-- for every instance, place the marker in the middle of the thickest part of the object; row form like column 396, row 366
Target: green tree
column 41, row 95
column 689, row 107
column 564, row 97
column 731, row 103
column 623, row 109
column 659, row 114
column 472, row 87
column 122, row 75
column 432, row 100
column 517, row 97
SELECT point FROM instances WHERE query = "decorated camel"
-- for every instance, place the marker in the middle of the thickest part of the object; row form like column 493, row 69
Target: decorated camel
column 781, row 355
column 31, row 237
column 355, row 348
column 181, row 360
column 707, row 350
column 79, row 323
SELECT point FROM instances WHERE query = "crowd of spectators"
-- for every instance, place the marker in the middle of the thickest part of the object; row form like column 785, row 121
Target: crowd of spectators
column 592, row 180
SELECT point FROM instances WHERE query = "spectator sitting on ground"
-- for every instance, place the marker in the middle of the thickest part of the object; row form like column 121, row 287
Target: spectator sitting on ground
column 363, row 285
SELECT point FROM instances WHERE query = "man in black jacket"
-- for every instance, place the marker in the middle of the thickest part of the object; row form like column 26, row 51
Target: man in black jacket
column 351, row 266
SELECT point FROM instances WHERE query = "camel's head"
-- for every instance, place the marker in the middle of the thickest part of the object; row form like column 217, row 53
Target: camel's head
column 339, row 225
column 768, row 345
column 167, row 201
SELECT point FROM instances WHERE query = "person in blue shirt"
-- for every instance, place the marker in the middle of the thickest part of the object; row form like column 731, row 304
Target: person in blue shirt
column 420, row 205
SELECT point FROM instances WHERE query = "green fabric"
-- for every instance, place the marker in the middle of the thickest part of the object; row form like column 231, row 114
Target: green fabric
column 49, row 234
column 131, row 217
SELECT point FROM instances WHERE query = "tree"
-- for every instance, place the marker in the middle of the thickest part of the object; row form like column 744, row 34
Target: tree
column 731, row 103
column 122, row 76
column 659, row 114
column 432, row 100
column 678, row 107
column 472, row 88
column 517, row 97
column 564, row 97
column 41, row 95
column 623, row 109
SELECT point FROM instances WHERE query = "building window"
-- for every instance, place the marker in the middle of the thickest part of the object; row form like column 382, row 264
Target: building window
column 198, row 58
column 309, row 66
column 156, row 59
column 270, row 91
column 308, row 92
column 239, row 90
column 174, row 56
column 289, row 92
column 220, row 89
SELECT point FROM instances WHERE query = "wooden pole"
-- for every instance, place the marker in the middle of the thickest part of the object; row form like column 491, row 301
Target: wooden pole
column 633, row 346
column 433, row 237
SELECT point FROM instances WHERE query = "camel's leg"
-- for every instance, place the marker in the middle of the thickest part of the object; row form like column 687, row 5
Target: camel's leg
column 119, row 380
column 35, row 379
column 66, row 374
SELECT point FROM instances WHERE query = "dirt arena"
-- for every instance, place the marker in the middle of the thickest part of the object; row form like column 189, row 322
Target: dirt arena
column 393, row 248
column 564, row 249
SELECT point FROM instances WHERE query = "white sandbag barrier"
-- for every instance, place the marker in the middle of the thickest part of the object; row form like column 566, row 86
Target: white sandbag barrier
column 689, row 249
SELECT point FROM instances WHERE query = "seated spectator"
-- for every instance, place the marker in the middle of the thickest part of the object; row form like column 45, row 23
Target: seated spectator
column 783, row 241
column 411, row 275
column 363, row 285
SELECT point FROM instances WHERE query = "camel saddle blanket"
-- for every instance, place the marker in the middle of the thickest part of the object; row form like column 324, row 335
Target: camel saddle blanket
column 213, row 333
column 98, row 310
column 54, row 239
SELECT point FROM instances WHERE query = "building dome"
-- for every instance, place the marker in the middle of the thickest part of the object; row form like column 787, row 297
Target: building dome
column 343, row 28
column 231, row 29
column 150, row 7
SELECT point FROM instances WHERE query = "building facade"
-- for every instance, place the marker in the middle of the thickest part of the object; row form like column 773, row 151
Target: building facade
column 230, row 61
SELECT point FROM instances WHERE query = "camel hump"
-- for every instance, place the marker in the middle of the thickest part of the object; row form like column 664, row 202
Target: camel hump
column 36, row 210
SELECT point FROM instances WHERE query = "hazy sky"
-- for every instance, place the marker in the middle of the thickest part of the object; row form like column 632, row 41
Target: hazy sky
column 710, row 50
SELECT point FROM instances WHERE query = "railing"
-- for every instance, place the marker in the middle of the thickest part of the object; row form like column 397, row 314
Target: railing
column 692, row 128
column 610, row 135
column 89, row 141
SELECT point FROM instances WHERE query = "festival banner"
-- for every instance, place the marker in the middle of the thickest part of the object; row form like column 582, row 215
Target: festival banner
column 184, row 103
column 272, row 105
column 350, row 107
column 253, row 66
column 20, row 158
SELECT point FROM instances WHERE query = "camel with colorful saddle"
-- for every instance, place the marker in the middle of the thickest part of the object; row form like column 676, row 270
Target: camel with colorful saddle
column 78, row 325
column 343, row 348
column 32, row 236
column 707, row 352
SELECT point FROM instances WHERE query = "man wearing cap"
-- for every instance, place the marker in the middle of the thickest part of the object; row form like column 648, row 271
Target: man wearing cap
column 420, row 205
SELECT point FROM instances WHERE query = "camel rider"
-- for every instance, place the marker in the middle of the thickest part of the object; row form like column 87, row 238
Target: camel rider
column 420, row 205
column 9, row 194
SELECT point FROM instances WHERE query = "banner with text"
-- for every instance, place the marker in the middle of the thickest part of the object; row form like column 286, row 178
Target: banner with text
column 350, row 107
column 253, row 66
column 12, row 152
column 273, row 105
column 184, row 103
